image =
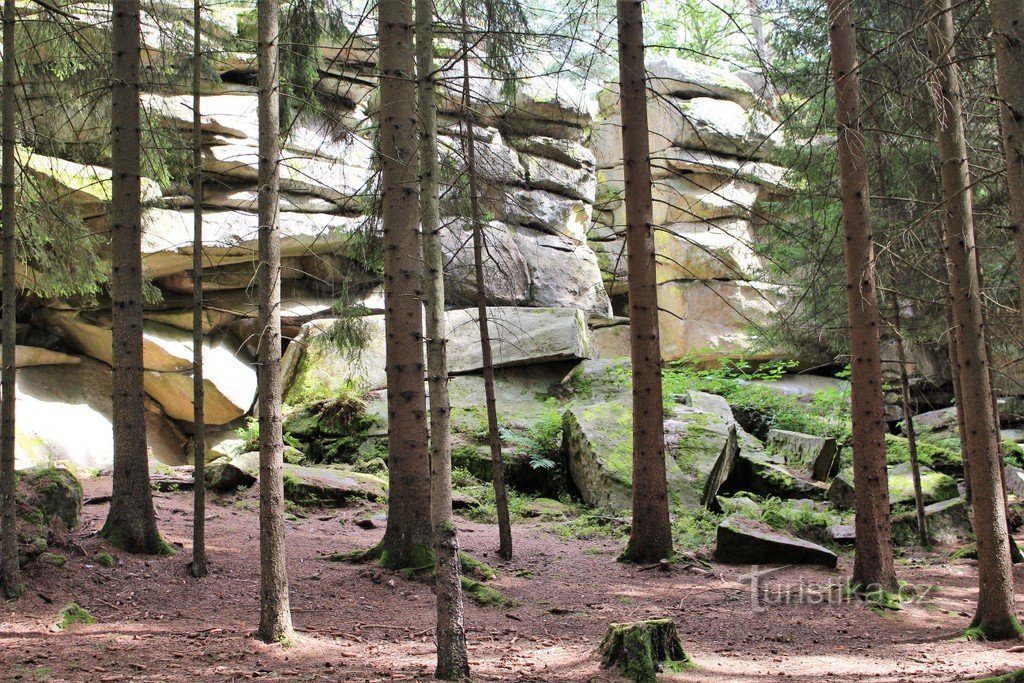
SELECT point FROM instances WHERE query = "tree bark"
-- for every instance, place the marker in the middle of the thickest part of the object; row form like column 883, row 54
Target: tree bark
column 452, row 659
column 1008, row 39
column 995, row 618
column 873, row 568
column 198, row 566
column 10, row 572
column 958, row 396
column 908, row 421
column 131, row 521
column 407, row 540
column 650, row 537
column 493, row 435
column 275, row 615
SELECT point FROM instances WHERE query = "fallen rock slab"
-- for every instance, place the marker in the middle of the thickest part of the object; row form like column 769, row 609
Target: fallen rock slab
column 744, row 541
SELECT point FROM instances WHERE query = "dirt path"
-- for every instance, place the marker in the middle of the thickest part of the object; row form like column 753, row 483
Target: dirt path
column 358, row 623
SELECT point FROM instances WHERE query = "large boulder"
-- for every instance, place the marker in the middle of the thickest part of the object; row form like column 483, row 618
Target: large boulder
column 701, row 449
column 495, row 162
column 699, row 250
column 547, row 104
column 542, row 210
column 744, row 541
column 564, row 179
column 519, row 336
column 78, row 399
column 702, row 124
column 49, row 493
column 563, row 273
column 948, row 522
column 670, row 76
column 675, row 161
column 344, row 182
column 231, row 237
column 814, row 456
column 682, row 198
column 935, row 486
column 31, row 356
column 567, row 152
column 229, row 380
column 317, row 486
column 709, row 319
column 506, row 273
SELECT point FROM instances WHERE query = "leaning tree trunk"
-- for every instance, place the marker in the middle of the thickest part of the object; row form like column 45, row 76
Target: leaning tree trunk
column 1008, row 39
column 198, row 566
column 873, row 564
column 487, row 360
column 131, row 521
column 407, row 539
column 995, row 617
column 275, row 615
column 650, row 537
column 10, row 572
column 452, row 659
column 908, row 421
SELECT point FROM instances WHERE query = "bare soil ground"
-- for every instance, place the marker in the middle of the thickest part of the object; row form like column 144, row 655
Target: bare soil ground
column 359, row 623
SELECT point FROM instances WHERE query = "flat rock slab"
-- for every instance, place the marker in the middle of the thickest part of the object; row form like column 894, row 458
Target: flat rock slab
column 304, row 485
column 745, row 541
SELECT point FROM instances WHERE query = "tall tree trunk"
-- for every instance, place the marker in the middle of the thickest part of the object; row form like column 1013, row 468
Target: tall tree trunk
column 908, row 420
column 493, row 435
column 452, row 659
column 131, row 521
column 275, row 614
column 995, row 617
column 650, row 537
column 407, row 540
column 198, row 566
column 873, row 564
column 1008, row 38
column 10, row 572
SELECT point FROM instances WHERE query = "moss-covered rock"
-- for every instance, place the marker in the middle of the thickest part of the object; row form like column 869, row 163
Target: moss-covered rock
column 331, row 430
column 599, row 442
column 938, row 457
column 947, row 520
column 935, row 486
column 49, row 493
column 329, row 486
column 814, row 456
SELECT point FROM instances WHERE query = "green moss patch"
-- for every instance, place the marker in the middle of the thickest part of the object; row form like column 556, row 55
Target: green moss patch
column 72, row 615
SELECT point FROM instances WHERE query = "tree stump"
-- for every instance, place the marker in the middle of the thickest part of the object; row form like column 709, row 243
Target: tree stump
column 643, row 648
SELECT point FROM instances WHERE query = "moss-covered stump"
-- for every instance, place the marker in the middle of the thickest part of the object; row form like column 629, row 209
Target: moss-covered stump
column 48, row 493
column 641, row 649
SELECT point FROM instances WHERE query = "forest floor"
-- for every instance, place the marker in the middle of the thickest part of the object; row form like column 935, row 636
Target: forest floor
column 357, row 622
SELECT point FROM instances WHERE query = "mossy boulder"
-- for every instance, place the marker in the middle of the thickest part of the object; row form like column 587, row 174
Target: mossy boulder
column 331, row 430
column 763, row 474
column 699, row 454
column 948, row 522
column 330, row 487
column 49, row 493
column 814, row 456
column 935, row 486
column 939, row 458
column 327, row 486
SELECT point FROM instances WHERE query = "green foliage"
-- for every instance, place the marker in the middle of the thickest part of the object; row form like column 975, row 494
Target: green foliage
column 475, row 568
column 694, row 529
column 73, row 614
column 484, row 595
column 541, row 442
column 760, row 405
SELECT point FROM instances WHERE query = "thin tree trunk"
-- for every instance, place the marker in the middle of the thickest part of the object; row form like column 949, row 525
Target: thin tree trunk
column 650, row 537
column 908, row 420
column 407, row 541
column 995, row 618
column 493, row 435
column 275, row 614
column 958, row 397
column 873, row 564
column 198, row 566
column 452, row 659
column 10, row 572
column 1008, row 39
column 131, row 521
